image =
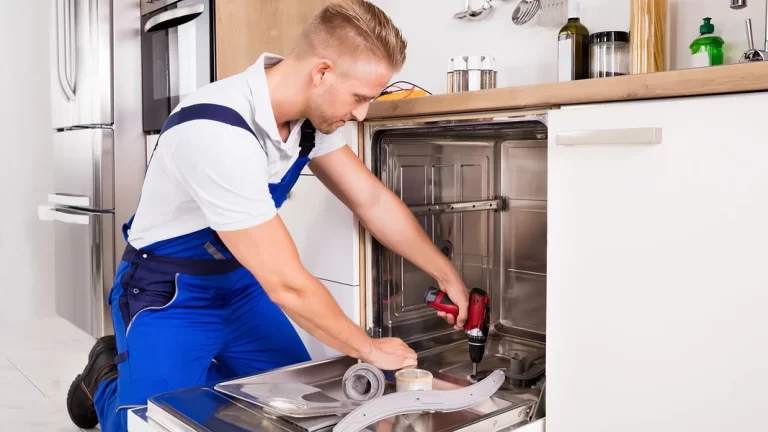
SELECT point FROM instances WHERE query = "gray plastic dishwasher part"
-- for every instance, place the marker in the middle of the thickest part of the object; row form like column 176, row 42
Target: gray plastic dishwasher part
column 420, row 402
column 363, row 382
column 290, row 399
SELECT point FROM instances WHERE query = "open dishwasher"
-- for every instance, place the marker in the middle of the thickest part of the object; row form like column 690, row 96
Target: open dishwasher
column 478, row 186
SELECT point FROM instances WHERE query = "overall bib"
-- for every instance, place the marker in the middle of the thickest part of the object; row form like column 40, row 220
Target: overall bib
column 186, row 312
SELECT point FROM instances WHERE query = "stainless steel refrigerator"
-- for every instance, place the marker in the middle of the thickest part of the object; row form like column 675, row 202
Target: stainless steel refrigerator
column 82, row 202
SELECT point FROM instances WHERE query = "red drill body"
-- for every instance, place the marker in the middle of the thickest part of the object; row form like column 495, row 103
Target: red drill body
column 478, row 317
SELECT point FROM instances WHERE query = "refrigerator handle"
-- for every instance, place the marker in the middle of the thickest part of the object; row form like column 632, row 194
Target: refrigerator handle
column 48, row 213
column 61, row 54
column 69, row 200
column 72, row 51
column 173, row 18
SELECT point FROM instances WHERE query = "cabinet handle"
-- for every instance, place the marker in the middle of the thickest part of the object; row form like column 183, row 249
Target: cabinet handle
column 648, row 135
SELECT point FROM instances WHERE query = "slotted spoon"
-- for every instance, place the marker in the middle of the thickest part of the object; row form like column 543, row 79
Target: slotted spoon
column 525, row 10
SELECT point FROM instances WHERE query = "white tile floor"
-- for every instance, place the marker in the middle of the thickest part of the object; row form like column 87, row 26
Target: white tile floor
column 37, row 364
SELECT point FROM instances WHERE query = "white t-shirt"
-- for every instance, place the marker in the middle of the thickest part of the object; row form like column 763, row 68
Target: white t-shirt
column 209, row 174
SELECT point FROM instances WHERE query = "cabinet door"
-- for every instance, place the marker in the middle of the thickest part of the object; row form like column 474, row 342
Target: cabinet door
column 657, row 286
column 324, row 230
column 348, row 298
column 247, row 28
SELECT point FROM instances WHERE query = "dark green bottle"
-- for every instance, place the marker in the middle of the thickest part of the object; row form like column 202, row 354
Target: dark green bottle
column 573, row 47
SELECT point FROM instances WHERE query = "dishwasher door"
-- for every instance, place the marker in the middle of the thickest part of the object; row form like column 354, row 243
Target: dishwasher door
column 83, row 269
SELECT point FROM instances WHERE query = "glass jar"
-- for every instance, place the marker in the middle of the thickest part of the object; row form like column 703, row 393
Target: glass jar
column 648, row 28
column 488, row 75
column 608, row 54
column 460, row 74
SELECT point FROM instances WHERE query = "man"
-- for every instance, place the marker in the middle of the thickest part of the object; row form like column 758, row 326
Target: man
column 210, row 271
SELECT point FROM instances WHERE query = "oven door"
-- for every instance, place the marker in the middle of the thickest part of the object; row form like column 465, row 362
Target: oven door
column 177, row 56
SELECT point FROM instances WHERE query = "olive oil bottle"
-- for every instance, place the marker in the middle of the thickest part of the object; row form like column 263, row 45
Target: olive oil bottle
column 573, row 47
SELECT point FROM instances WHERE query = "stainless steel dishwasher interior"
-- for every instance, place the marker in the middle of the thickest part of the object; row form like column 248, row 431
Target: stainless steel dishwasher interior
column 479, row 190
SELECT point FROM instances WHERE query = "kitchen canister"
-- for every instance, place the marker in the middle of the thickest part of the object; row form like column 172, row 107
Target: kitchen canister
column 474, row 72
column 648, row 36
column 460, row 74
column 608, row 54
column 469, row 73
column 488, row 75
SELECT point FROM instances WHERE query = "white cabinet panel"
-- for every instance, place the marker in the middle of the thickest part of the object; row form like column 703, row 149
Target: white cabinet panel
column 657, row 281
column 324, row 230
column 348, row 298
column 151, row 143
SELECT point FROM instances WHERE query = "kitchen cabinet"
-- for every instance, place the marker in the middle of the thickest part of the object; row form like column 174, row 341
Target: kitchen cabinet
column 657, row 288
column 324, row 230
column 348, row 297
column 247, row 28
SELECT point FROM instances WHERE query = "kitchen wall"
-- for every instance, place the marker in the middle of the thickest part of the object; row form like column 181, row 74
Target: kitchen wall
column 26, row 244
column 528, row 54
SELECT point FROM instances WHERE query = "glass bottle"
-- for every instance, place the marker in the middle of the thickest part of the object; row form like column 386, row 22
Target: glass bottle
column 573, row 47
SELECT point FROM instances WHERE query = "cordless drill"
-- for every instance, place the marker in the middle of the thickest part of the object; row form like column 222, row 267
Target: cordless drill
column 478, row 319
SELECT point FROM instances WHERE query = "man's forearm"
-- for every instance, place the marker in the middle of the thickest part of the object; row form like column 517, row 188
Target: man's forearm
column 268, row 252
column 408, row 238
column 345, row 336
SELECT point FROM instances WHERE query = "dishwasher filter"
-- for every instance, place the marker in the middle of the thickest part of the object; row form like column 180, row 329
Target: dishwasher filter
column 363, row 382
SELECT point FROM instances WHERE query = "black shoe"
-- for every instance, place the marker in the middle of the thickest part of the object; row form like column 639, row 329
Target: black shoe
column 101, row 366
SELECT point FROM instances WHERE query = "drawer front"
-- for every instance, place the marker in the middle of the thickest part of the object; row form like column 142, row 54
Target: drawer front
column 324, row 230
column 84, row 169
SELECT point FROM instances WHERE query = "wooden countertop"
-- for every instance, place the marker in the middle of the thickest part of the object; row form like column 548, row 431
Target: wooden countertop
column 689, row 82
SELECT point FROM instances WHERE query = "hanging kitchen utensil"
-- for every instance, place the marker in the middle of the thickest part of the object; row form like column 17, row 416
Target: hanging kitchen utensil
column 525, row 10
column 464, row 13
column 738, row 4
column 552, row 14
column 752, row 54
column 475, row 14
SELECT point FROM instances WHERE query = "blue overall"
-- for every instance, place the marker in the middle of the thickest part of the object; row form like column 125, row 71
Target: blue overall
column 186, row 312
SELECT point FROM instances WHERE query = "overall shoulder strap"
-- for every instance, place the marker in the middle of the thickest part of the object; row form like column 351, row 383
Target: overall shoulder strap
column 213, row 112
column 307, row 139
column 205, row 111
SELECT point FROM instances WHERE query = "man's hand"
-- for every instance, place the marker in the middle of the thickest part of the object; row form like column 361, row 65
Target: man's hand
column 459, row 295
column 390, row 354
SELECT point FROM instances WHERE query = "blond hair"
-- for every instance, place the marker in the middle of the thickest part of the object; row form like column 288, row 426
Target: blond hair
column 353, row 27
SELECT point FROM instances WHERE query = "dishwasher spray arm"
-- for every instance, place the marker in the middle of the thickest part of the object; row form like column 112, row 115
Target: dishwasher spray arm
column 429, row 401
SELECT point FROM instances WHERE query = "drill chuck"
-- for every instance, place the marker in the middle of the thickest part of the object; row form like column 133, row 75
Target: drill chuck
column 476, row 348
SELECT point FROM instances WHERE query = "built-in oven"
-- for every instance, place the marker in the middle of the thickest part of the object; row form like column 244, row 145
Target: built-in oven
column 177, row 54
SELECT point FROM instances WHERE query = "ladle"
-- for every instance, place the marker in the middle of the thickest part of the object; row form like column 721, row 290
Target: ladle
column 474, row 14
